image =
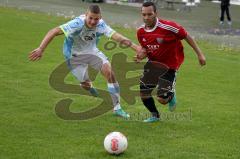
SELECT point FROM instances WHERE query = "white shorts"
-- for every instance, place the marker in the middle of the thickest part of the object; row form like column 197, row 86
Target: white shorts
column 78, row 64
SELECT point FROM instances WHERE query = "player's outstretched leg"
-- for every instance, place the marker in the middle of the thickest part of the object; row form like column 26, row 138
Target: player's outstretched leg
column 114, row 90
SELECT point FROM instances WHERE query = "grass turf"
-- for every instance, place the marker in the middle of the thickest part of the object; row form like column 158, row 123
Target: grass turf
column 29, row 127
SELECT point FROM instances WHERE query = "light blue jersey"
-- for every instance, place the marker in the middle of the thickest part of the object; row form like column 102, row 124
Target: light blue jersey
column 82, row 40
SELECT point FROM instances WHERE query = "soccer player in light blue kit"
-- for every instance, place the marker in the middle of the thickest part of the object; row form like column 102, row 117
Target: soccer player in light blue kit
column 80, row 51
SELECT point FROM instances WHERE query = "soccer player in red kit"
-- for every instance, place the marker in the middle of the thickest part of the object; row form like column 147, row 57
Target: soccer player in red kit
column 161, row 40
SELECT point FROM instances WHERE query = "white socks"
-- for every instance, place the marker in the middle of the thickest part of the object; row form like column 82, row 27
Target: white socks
column 114, row 91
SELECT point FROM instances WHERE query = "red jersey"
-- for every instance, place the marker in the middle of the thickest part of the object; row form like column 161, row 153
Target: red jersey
column 163, row 43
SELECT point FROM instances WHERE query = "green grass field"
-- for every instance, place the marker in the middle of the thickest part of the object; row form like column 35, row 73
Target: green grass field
column 29, row 127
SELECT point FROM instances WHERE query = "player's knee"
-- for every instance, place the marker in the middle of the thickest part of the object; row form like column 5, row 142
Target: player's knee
column 162, row 100
column 86, row 85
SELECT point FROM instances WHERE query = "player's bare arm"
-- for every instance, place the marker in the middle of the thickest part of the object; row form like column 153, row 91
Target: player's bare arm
column 193, row 44
column 125, row 41
column 36, row 54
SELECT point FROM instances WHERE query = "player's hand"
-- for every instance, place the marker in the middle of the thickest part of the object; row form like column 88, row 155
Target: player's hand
column 35, row 54
column 202, row 59
column 140, row 54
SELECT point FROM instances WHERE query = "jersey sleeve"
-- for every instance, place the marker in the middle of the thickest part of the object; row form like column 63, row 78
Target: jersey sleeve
column 177, row 29
column 181, row 33
column 72, row 27
column 103, row 28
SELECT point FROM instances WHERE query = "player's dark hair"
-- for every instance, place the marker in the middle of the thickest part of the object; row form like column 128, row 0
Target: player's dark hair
column 94, row 9
column 147, row 4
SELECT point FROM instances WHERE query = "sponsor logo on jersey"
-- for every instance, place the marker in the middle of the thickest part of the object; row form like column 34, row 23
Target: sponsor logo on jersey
column 89, row 37
column 160, row 40
column 153, row 47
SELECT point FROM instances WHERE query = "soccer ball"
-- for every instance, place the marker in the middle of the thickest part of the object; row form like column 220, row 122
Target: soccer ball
column 115, row 143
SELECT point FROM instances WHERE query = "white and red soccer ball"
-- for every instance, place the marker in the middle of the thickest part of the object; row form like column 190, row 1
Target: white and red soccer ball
column 115, row 143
